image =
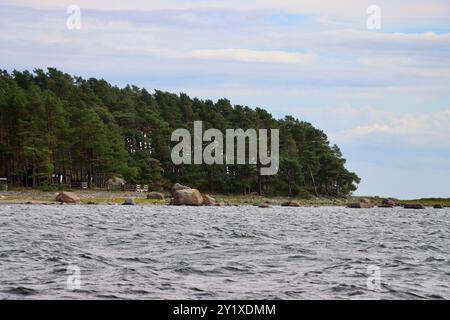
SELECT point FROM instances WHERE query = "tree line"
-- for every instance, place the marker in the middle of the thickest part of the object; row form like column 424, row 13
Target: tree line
column 56, row 128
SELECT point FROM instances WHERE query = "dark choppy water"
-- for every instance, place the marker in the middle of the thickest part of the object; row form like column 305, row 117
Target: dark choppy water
column 160, row 252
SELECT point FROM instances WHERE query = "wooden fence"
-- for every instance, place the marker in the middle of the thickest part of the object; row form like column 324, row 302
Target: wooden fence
column 79, row 184
column 135, row 187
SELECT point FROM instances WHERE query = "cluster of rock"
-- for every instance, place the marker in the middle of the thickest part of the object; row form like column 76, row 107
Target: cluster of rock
column 290, row 203
column 362, row 204
column 183, row 195
column 387, row 203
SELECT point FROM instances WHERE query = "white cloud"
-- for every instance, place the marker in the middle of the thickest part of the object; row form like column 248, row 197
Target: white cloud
column 360, row 42
column 269, row 56
column 344, row 8
column 418, row 129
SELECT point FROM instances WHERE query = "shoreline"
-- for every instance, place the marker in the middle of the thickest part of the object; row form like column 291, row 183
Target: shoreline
column 102, row 197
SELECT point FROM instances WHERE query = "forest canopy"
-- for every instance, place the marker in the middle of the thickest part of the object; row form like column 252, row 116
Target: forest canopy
column 55, row 125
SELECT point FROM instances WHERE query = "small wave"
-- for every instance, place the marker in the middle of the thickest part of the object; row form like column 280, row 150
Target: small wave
column 107, row 296
column 240, row 234
column 189, row 270
column 235, row 269
column 431, row 259
column 139, row 259
column 301, row 256
column 23, row 291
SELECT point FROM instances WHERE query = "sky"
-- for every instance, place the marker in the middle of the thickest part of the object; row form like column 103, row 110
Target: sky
column 382, row 95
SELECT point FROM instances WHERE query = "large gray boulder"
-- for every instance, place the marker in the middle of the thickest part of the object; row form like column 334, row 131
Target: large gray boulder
column 177, row 187
column 67, row 197
column 188, row 197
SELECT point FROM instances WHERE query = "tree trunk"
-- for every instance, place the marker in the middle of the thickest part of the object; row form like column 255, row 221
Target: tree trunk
column 34, row 175
column 313, row 181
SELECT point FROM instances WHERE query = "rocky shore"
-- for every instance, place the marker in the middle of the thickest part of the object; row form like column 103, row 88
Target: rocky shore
column 92, row 197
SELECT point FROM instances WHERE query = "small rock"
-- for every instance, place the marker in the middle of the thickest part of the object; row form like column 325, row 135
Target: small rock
column 155, row 195
column 438, row 206
column 360, row 205
column 413, row 206
column 128, row 202
column 208, row 200
column 264, row 205
column 290, row 203
column 387, row 203
column 220, row 204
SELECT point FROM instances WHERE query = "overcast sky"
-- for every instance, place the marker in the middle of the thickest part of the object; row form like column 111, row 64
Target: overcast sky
column 382, row 95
